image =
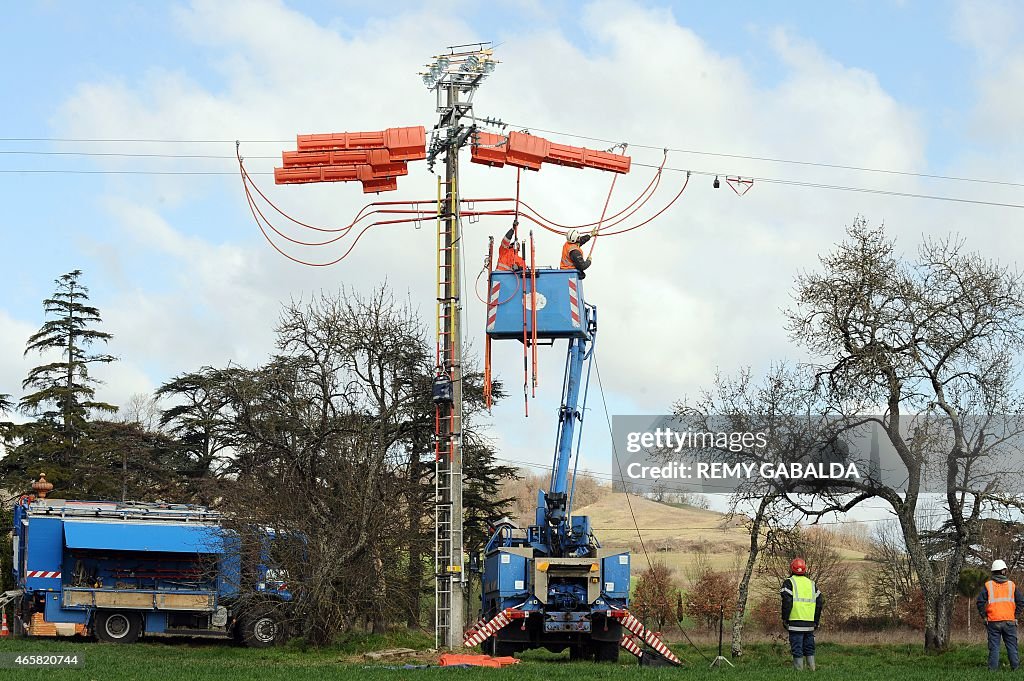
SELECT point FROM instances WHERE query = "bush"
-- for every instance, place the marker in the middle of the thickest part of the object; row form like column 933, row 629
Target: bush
column 911, row 611
column 864, row 623
column 767, row 614
column 657, row 596
column 706, row 599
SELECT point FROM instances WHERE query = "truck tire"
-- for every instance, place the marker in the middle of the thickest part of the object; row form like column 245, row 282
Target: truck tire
column 118, row 626
column 261, row 629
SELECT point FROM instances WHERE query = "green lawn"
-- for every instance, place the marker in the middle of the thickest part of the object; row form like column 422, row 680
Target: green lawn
column 201, row 661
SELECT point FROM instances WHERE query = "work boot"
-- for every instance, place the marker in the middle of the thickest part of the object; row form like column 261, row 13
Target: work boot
column 798, row 663
column 810, row 663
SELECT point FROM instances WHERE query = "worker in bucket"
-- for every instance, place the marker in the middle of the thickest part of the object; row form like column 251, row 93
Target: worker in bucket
column 572, row 254
column 509, row 258
column 998, row 604
column 801, row 612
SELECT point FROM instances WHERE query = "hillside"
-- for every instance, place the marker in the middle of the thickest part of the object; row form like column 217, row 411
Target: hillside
column 678, row 536
column 671, row 534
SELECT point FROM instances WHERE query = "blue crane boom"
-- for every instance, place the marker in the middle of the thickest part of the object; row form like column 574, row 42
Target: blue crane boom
column 557, row 502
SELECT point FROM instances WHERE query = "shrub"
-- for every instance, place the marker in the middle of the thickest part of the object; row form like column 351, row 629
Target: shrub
column 657, row 595
column 712, row 592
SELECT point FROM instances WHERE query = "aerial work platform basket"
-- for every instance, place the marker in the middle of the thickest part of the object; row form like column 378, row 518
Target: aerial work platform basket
column 560, row 313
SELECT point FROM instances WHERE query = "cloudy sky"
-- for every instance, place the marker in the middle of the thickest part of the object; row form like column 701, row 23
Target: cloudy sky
column 184, row 278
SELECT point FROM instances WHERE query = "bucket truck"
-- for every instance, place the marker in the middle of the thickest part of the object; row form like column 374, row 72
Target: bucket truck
column 552, row 585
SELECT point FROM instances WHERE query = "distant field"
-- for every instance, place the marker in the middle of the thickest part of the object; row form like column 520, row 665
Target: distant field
column 672, row 533
column 219, row 662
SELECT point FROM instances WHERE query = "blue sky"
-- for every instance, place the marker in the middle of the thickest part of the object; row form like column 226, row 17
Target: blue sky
column 184, row 276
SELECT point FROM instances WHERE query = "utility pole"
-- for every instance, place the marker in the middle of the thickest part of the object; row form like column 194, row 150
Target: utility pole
column 455, row 77
column 376, row 159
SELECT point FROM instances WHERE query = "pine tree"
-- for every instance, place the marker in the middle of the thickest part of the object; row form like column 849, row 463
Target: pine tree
column 64, row 391
column 6, row 427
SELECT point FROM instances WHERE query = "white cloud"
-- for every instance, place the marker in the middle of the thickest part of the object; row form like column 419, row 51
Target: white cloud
column 699, row 288
column 989, row 26
column 13, row 366
column 993, row 30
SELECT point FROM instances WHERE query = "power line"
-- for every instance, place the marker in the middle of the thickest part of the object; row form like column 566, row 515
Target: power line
column 707, row 173
column 33, row 152
column 845, row 188
column 70, row 171
column 769, row 159
column 127, row 140
column 680, row 150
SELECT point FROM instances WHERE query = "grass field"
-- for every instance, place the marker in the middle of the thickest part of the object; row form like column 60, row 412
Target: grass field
column 201, row 661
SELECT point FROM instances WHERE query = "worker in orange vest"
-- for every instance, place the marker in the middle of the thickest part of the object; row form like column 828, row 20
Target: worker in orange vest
column 998, row 603
column 572, row 254
column 509, row 258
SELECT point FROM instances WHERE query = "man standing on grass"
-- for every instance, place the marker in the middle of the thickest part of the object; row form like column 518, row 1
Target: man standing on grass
column 801, row 611
column 998, row 603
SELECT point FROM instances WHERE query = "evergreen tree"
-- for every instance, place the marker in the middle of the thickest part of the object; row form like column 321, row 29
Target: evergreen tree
column 64, row 392
column 199, row 421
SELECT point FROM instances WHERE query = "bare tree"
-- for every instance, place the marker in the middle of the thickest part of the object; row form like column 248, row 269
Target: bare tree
column 319, row 433
column 891, row 579
column 329, row 447
column 759, row 524
column 738, row 404
column 933, row 343
column 927, row 352
column 141, row 409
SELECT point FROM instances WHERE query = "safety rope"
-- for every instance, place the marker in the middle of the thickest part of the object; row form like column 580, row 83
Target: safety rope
column 515, row 220
column 629, row 504
column 476, row 289
column 604, row 211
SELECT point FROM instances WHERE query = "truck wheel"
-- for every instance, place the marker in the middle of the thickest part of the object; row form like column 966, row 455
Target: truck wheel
column 116, row 626
column 606, row 651
column 261, row 629
column 579, row 652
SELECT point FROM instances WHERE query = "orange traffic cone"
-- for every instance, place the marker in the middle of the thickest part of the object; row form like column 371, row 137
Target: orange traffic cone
column 4, row 631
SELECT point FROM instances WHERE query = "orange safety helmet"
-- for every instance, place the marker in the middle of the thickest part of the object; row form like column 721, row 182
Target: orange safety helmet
column 798, row 566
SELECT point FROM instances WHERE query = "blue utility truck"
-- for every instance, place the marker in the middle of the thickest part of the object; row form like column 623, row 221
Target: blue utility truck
column 119, row 571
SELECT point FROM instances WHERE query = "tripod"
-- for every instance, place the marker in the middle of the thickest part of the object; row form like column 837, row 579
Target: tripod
column 717, row 662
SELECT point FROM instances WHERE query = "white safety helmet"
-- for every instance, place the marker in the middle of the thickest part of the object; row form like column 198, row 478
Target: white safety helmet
column 998, row 565
column 573, row 236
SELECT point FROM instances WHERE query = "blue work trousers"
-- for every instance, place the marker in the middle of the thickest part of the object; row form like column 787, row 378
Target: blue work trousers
column 801, row 643
column 1002, row 632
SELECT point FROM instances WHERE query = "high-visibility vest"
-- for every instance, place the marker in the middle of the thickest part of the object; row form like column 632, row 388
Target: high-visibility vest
column 508, row 257
column 1001, row 606
column 805, row 599
column 569, row 247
